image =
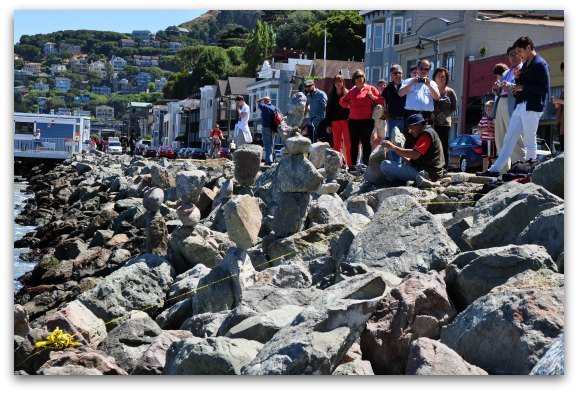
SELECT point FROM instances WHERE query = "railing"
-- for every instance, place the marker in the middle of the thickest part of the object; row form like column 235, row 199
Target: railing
column 51, row 144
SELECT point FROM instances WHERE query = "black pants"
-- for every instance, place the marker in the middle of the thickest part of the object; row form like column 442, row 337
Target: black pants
column 444, row 134
column 360, row 131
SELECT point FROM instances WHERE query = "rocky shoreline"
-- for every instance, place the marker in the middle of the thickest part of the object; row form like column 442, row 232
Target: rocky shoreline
column 225, row 267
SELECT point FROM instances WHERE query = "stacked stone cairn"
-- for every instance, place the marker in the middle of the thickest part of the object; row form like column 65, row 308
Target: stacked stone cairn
column 247, row 161
column 156, row 228
column 298, row 178
column 294, row 116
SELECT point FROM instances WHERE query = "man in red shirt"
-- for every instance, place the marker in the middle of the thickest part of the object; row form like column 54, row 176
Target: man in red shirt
column 425, row 159
column 216, row 136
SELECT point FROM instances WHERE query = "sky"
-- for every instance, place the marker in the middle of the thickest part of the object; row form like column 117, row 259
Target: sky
column 28, row 22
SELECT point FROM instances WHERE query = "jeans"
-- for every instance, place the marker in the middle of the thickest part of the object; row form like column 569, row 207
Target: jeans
column 394, row 171
column 391, row 124
column 268, row 144
column 524, row 123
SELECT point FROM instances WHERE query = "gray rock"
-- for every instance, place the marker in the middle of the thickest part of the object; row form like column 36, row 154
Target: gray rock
column 291, row 213
column 152, row 361
column 222, row 289
column 153, row 199
column 174, row 316
column 290, row 275
column 70, row 249
column 332, row 163
column 243, row 219
column 373, row 172
column 247, row 159
column 550, row 175
column 82, row 168
column 418, row 307
column 186, row 283
column 547, row 230
column 297, row 174
column 321, row 334
column 404, row 237
column 560, row 262
column 552, row 363
column 329, row 188
column 502, row 214
column 328, row 209
column 430, row 357
column 128, row 341
column 316, row 153
column 210, row 356
column 518, row 320
column 21, row 327
column 156, row 234
column 160, row 177
column 205, row 324
column 141, row 283
column 355, row 367
column 101, row 237
column 190, row 185
column 69, row 370
column 263, row 327
column 358, row 204
column 473, row 274
column 189, row 215
column 296, row 109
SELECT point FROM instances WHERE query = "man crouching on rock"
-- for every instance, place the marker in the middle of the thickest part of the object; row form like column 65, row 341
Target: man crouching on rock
column 425, row 159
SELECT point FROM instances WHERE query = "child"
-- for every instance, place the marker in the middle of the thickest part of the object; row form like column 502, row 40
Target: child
column 486, row 130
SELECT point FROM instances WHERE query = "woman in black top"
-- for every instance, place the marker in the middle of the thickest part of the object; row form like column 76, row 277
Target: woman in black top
column 444, row 107
column 336, row 117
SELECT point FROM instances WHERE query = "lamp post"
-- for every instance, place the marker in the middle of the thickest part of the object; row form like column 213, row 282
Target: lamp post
column 436, row 44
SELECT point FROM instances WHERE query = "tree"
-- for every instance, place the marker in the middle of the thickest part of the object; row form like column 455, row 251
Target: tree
column 259, row 46
column 345, row 30
column 18, row 64
column 55, row 103
column 152, row 87
column 27, row 52
column 290, row 33
column 233, row 35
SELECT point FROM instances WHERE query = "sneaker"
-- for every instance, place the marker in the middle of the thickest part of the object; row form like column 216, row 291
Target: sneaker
column 488, row 173
column 424, row 174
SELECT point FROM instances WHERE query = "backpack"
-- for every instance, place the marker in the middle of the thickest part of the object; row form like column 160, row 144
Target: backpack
column 277, row 117
column 524, row 167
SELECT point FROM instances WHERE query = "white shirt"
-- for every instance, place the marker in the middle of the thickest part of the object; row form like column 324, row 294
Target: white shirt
column 37, row 136
column 244, row 122
column 419, row 97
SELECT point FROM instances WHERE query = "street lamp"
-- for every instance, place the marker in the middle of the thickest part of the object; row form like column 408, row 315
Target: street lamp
column 436, row 44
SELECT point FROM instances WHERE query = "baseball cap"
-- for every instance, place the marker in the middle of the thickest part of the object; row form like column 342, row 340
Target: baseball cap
column 309, row 83
column 415, row 119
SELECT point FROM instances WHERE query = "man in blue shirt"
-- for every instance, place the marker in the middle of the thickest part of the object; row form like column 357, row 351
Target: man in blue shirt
column 267, row 110
column 531, row 88
column 316, row 103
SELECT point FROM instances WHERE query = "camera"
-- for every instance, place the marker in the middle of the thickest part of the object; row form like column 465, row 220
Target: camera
column 420, row 80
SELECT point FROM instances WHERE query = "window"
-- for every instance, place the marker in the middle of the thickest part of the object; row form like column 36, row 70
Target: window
column 366, row 74
column 388, row 32
column 24, row 128
column 368, row 38
column 408, row 26
column 378, row 36
column 273, row 96
column 397, row 30
column 449, row 61
column 550, row 110
column 375, row 75
column 386, row 71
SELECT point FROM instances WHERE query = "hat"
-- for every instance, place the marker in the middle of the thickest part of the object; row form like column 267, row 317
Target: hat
column 414, row 119
column 309, row 83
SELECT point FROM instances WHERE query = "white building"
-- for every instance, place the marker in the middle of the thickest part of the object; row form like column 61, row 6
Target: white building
column 104, row 112
column 98, row 66
column 208, row 112
column 57, row 69
column 50, row 48
column 117, row 63
column 32, row 68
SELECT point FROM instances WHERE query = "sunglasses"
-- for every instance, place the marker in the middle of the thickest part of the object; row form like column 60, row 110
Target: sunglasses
column 358, row 76
column 397, row 73
column 424, row 68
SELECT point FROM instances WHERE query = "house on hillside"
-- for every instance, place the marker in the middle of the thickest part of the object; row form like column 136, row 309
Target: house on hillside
column 104, row 112
column 41, row 86
column 50, row 48
column 104, row 90
column 127, row 43
column 79, row 64
column 98, row 66
column 74, row 49
column 57, row 69
column 177, row 30
column 62, row 84
column 142, row 35
column 117, row 63
column 174, row 46
column 32, row 68
column 146, row 61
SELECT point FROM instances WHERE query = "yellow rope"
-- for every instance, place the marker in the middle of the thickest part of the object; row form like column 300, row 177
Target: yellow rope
column 57, row 340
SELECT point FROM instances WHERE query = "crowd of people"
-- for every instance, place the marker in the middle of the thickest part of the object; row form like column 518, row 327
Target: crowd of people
column 421, row 107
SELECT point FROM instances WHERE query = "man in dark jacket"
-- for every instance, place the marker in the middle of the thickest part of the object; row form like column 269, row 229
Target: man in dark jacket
column 426, row 157
column 267, row 111
column 532, row 84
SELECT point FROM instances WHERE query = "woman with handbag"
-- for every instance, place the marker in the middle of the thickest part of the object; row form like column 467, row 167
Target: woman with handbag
column 360, row 100
column 444, row 107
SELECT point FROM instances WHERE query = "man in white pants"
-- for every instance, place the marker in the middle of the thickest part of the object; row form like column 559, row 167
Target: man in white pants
column 532, row 86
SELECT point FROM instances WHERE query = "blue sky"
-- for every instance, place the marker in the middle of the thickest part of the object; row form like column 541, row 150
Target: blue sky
column 122, row 21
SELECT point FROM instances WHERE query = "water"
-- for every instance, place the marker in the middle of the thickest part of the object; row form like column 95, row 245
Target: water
column 20, row 267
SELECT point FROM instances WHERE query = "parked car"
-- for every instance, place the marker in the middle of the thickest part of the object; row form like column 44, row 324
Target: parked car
column 114, row 147
column 166, row 151
column 181, row 152
column 465, row 153
column 150, row 151
column 225, row 152
column 197, row 154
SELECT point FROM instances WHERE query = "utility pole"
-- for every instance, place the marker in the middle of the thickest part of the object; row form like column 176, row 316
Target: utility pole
column 325, row 53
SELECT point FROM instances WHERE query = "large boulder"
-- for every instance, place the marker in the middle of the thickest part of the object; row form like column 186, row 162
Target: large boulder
column 552, row 363
column 322, row 333
column 430, row 357
column 550, row 175
column 475, row 273
column 129, row 340
column 402, row 237
column 141, row 284
column 328, row 209
column 190, row 185
column 418, row 307
column 547, row 230
column 501, row 215
column 210, row 356
column 291, row 213
column 298, row 174
column 152, row 361
column 83, row 360
column 508, row 330
column 243, row 220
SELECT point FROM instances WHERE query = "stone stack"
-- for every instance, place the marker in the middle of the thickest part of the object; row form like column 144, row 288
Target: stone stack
column 156, row 228
column 294, row 118
column 247, row 159
column 298, row 177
